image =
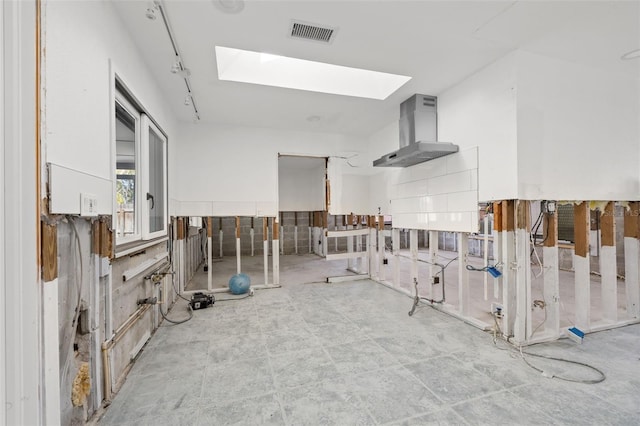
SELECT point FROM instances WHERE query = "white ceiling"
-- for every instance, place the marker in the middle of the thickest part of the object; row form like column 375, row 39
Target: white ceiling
column 438, row 43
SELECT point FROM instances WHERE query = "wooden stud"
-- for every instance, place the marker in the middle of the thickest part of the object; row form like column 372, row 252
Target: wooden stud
column 325, row 219
column 632, row 220
column 276, row 230
column 210, row 227
column 581, row 227
column 265, row 228
column 381, row 223
column 550, row 229
column 237, row 226
column 219, row 224
column 95, row 237
column 508, row 215
column 523, row 219
column 180, row 229
column 497, row 216
column 49, row 252
column 608, row 225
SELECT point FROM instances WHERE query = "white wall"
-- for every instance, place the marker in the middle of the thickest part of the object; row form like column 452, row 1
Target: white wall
column 481, row 111
column 80, row 40
column 226, row 170
column 578, row 131
column 301, row 184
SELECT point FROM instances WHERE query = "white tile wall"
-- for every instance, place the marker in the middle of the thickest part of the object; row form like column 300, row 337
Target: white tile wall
column 440, row 194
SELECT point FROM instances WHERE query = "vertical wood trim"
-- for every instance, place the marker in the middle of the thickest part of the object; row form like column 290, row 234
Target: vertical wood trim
column 265, row 229
column 581, row 227
column 508, row 215
column 497, row 216
column 237, row 226
column 632, row 220
column 608, row 225
column 49, row 252
column 180, row 228
column 210, row 227
column 276, row 229
column 550, row 229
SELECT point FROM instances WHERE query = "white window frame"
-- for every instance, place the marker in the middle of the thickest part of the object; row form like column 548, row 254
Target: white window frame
column 137, row 235
column 146, row 124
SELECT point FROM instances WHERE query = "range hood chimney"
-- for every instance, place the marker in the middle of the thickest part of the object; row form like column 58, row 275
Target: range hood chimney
column 418, row 134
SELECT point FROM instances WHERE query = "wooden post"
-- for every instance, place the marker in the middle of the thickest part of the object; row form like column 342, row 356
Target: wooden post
column 265, row 248
column 522, row 324
column 551, row 292
column 632, row 258
column 49, row 254
column 608, row 263
column 463, row 273
column 581, row 229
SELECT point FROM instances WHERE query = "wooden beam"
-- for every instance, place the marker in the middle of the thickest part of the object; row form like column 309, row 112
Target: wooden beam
column 180, row 228
column 265, row 229
column 523, row 217
column 49, row 252
column 581, row 227
column 210, row 226
column 508, row 215
column 608, row 225
column 497, row 216
column 550, row 229
column 632, row 220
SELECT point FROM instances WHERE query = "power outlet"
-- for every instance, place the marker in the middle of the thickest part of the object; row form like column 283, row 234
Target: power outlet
column 88, row 205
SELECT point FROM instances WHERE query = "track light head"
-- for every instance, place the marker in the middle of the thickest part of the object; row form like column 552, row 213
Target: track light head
column 187, row 100
column 175, row 67
column 151, row 12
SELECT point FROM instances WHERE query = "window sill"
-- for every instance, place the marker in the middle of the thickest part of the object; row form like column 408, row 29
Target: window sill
column 136, row 246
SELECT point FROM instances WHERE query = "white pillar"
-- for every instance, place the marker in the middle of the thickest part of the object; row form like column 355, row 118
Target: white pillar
column 350, row 243
column 252, row 235
column 220, row 235
column 373, row 272
column 551, row 292
column 210, row 264
column 522, row 323
column 295, row 239
column 433, row 258
column 463, row 273
column 395, row 242
column 276, row 252
column 413, row 249
column 381, row 254
column 632, row 276
column 609, row 278
column 485, row 256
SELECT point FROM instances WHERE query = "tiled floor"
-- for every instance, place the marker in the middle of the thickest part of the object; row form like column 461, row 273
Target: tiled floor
column 348, row 354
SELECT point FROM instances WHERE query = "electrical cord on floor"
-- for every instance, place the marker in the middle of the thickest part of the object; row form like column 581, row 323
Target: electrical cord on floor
column 566, row 379
column 522, row 353
column 233, row 299
column 176, row 322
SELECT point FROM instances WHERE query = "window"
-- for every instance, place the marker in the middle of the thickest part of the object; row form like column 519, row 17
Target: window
column 141, row 174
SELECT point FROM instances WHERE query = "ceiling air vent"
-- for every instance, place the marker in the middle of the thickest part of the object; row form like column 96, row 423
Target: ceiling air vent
column 313, row 32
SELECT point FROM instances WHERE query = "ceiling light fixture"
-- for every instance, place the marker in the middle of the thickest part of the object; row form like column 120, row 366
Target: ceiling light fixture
column 633, row 54
column 229, row 6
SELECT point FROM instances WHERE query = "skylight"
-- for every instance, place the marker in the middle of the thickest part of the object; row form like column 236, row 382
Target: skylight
column 280, row 71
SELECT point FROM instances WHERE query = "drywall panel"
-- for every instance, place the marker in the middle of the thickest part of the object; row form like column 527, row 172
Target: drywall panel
column 481, row 111
column 443, row 197
column 66, row 185
column 235, row 166
column 77, row 97
column 301, row 183
column 578, row 131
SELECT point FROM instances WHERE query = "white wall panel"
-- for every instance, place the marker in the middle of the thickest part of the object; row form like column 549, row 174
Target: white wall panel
column 301, row 183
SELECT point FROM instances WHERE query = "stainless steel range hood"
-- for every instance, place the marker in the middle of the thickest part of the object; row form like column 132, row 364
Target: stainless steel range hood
column 418, row 134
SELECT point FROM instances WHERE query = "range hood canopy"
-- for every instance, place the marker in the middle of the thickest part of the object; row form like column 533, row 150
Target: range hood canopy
column 418, row 134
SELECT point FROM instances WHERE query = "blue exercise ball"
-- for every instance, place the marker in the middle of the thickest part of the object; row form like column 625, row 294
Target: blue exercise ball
column 239, row 284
